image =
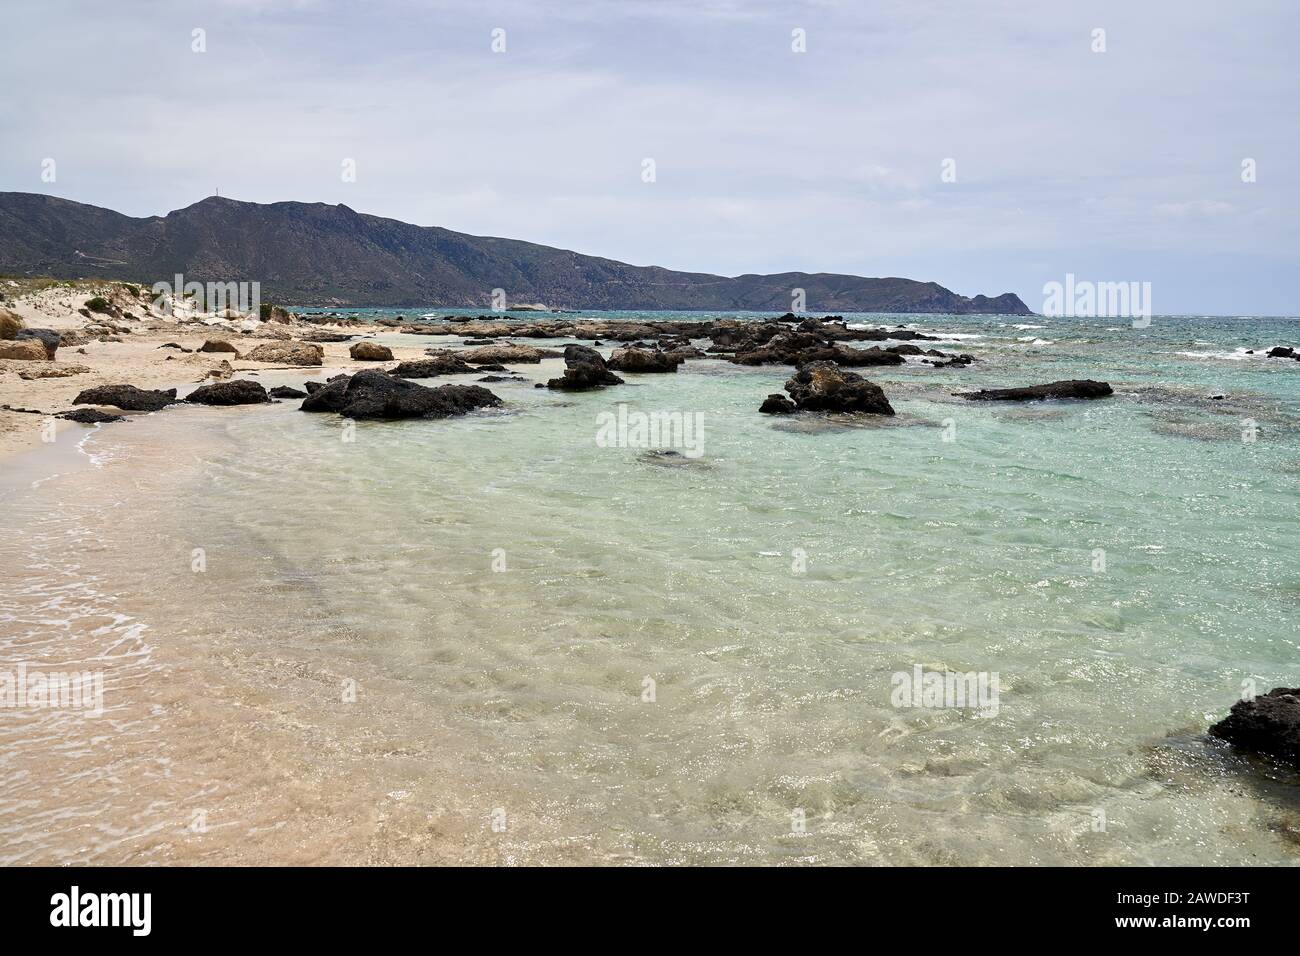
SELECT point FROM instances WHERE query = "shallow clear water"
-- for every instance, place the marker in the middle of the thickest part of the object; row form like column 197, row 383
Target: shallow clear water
column 769, row 588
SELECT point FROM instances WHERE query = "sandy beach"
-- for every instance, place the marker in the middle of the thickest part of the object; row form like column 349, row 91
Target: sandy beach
column 128, row 348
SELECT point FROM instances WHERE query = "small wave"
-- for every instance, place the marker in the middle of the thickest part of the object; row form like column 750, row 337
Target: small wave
column 1237, row 355
column 1028, row 327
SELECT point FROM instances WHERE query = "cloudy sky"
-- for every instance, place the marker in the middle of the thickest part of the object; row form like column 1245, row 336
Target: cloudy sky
column 1116, row 165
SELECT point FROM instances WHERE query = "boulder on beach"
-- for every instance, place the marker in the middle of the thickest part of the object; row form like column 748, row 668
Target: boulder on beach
column 643, row 360
column 776, row 404
column 219, row 345
column 375, row 394
column 505, row 354
column 431, row 367
column 127, row 397
column 239, row 392
column 824, row 386
column 47, row 337
column 586, row 370
column 1074, row 388
column 287, row 353
column 1268, row 725
column 371, row 352
column 286, row 391
column 26, row 350
column 10, row 323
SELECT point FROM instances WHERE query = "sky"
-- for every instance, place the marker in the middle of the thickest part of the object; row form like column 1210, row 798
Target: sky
column 1115, row 165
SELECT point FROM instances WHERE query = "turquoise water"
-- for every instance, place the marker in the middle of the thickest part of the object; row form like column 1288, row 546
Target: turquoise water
column 1123, row 566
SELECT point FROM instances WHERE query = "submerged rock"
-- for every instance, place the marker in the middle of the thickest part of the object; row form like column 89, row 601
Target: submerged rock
column 824, row 386
column 1074, row 388
column 241, row 392
column 374, row 394
column 127, row 397
column 586, row 370
column 1267, row 725
column 371, row 352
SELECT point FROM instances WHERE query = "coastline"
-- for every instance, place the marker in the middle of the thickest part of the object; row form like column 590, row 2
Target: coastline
column 371, row 563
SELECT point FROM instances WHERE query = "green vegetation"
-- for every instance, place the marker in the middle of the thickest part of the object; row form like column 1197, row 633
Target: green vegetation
column 99, row 304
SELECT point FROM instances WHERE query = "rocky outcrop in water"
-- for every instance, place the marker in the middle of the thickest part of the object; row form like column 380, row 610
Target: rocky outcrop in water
column 1284, row 351
column 286, row 391
column 586, row 370
column 1075, row 388
column 374, row 394
column 777, row 404
column 643, row 360
column 89, row 416
column 240, row 392
column 1268, row 725
column 127, row 397
column 825, row 387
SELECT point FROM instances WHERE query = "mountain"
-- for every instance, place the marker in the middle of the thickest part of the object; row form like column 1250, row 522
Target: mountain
column 314, row 254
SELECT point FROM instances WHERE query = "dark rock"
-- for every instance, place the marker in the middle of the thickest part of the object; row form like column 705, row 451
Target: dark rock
column 431, row 367
column 47, row 337
column 586, row 370
column 502, row 378
column 127, row 397
column 374, row 394
column 1280, row 351
column 174, row 345
column 824, row 386
column 642, row 360
column 219, row 345
column 89, row 416
column 776, row 404
column 239, row 392
column 1075, row 388
column 1267, row 725
column 492, row 368
column 288, row 391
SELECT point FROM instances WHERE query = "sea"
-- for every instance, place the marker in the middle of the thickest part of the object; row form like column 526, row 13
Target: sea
column 649, row 625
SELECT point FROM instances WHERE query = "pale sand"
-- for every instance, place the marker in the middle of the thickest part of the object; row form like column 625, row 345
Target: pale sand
column 138, row 360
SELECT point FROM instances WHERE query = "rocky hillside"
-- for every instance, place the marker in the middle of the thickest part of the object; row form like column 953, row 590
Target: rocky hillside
column 311, row 253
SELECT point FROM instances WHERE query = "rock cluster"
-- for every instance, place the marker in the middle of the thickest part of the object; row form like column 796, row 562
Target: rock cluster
column 374, row 394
